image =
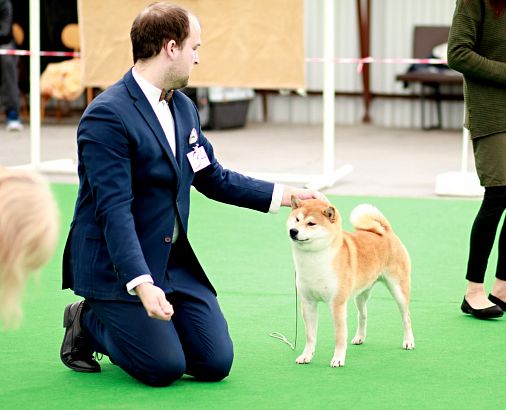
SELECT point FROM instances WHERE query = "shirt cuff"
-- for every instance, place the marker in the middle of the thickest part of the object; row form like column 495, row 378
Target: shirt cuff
column 277, row 197
column 136, row 282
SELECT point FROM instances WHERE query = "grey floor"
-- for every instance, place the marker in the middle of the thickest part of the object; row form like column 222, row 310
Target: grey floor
column 384, row 161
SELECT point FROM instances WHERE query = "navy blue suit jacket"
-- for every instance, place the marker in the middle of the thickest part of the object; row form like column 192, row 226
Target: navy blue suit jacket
column 132, row 189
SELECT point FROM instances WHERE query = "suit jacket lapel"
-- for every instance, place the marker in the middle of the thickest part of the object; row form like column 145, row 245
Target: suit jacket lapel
column 181, row 138
column 142, row 104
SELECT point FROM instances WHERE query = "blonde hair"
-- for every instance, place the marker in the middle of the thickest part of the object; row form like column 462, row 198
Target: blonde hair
column 29, row 230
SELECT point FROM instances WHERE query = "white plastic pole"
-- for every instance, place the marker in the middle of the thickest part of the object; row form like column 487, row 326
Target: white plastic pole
column 328, row 87
column 35, row 83
column 461, row 183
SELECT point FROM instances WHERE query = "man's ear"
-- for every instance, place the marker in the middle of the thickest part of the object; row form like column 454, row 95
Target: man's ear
column 330, row 213
column 296, row 202
column 169, row 47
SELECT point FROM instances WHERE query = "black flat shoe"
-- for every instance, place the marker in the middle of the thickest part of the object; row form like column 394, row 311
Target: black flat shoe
column 498, row 302
column 486, row 313
column 75, row 351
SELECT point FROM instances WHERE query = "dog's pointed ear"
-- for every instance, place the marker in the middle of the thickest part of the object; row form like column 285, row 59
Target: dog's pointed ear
column 330, row 213
column 296, row 202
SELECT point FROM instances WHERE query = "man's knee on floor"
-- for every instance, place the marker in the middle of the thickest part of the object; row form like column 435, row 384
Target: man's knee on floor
column 162, row 373
column 214, row 369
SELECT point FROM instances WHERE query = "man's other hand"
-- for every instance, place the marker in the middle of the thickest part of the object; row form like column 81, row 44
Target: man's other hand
column 154, row 301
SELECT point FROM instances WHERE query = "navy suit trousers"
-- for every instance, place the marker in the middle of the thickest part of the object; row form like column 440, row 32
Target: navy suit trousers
column 195, row 342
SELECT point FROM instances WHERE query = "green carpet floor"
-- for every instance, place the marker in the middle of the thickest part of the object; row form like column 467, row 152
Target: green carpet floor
column 458, row 362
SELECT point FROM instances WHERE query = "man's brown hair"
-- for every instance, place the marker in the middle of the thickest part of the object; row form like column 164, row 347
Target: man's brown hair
column 156, row 24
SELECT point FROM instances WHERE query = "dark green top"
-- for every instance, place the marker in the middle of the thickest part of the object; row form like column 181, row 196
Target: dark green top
column 477, row 49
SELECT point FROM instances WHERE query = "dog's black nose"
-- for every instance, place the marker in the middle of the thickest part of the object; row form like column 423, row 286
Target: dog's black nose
column 293, row 233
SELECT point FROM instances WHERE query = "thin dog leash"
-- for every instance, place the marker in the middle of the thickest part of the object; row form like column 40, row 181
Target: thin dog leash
column 281, row 336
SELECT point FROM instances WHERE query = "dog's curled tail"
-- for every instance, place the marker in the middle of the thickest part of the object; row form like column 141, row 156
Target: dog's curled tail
column 366, row 217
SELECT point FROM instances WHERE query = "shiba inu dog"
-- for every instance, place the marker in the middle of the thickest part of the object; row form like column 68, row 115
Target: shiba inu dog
column 333, row 265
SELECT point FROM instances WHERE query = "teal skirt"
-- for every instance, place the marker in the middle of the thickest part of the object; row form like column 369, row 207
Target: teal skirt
column 490, row 159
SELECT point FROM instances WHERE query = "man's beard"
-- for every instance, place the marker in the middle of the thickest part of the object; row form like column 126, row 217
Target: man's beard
column 181, row 82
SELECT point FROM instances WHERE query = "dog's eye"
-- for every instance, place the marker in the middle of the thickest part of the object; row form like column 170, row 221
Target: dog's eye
column 311, row 224
column 296, row 219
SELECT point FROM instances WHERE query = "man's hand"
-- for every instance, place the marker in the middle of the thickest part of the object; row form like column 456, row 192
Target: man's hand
column 154, row 301
column 301, row 193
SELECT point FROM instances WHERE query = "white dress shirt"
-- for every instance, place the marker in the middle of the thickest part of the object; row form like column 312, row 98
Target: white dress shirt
column 161, row 108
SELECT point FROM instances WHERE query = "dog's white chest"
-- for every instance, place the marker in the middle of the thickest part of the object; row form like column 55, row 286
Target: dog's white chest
column 316, row 279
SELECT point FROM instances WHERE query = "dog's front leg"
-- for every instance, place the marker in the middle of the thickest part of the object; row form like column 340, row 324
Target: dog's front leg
column 338, row 308
column 310, row 315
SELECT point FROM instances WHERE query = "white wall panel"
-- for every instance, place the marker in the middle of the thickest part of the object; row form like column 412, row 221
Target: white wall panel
column 392, row 27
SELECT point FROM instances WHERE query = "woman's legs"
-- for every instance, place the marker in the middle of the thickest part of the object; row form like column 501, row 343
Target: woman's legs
column 482, row 239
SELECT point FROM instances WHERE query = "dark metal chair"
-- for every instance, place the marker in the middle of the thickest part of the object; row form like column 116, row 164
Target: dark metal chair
column 430, row 77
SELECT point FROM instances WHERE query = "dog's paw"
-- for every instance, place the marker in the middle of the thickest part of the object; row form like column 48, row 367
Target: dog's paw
column 304, row 358
column 408, row 344
column 337, row 362
column 358, row 340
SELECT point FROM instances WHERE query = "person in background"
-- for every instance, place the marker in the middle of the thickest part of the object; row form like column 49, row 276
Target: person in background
column 9, row 91
column 29, row 230
column 148, row 303
column 477, row 49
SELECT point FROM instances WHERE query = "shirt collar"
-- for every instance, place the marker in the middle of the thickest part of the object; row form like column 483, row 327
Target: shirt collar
column 151, row 92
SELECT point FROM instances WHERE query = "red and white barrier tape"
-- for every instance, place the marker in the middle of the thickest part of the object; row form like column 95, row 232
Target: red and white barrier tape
column 10, row 52
column 369, row 60
column 352, row 60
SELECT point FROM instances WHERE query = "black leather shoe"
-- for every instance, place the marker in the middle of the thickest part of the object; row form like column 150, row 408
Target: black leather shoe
column 75, row 351
column 498, row 302
column 486, row 313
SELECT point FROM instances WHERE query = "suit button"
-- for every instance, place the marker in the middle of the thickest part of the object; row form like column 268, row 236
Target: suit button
column 167, row 239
